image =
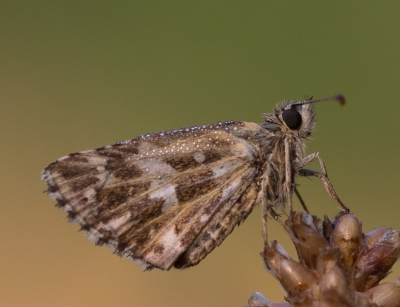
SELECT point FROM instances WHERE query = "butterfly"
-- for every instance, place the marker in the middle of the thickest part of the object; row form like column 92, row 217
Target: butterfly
column 168, row 199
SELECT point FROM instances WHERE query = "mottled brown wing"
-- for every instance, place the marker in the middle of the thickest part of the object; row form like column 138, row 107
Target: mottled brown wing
column 165, row 199
column 219, row 227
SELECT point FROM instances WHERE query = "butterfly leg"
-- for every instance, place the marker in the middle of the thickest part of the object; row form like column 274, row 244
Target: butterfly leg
column 288, row 175
column 323, row 176
column 264, row 210
column 268, row 211
column 303, row 204
column 277, row 217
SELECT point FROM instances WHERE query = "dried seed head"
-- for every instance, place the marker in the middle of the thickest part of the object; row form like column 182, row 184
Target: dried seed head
column 294, row 277
column 338, row 265
column 372, row 237
column 386, row 294
column 308, row 241
column 258, row 299
column 347, row 237
column 372, row 266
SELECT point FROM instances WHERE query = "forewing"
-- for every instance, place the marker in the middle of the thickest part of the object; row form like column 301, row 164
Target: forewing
column 151, row 198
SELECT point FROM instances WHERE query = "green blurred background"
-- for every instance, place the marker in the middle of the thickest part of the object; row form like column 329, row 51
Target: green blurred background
column 75, row 75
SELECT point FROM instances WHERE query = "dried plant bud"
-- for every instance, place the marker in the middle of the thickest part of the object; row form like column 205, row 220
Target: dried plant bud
column 307, row 240
column 386, row 294
column 294, row 277
column 372, row 266
column 259, row 300
column 372, row 237
column 338, row 265
column 333, row 286
column 347, row 237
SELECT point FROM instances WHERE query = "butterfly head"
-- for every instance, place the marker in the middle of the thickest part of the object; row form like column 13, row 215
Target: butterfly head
column 295, row 117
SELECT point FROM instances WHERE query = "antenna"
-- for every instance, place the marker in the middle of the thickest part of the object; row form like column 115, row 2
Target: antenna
column 339, row 97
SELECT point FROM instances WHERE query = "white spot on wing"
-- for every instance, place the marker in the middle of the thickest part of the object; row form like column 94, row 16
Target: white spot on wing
column 204, row 218
column 100, row 169
column 221, row 169
column 155, row 167
column 199, row 157
column 170, row 243
column 169, row 239
column 230, row 190
column 166, row 192
column 98, row 161
column 89, row 194
column 119, row 221
column 244, row 150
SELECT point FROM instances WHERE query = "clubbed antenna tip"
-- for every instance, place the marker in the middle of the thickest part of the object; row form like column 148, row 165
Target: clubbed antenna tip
column 339, row 97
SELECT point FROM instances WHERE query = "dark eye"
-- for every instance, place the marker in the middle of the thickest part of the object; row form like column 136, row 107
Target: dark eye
column 292, row 118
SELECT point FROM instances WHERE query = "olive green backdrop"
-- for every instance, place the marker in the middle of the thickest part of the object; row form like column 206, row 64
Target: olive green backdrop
column 75, row 75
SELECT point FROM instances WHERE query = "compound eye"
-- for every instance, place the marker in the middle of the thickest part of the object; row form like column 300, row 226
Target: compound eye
column 292, row 118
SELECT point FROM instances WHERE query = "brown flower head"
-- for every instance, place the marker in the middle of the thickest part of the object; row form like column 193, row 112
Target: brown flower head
column 338, row 265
